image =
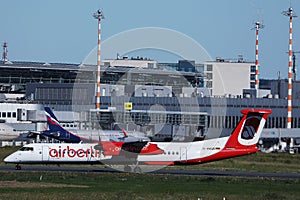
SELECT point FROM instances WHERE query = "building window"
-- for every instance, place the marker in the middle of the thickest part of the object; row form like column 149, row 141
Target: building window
column 209, row 84
column 150, row 65
column 209, row 67
column 252, row 85
column 209, row 76
column 253, row 68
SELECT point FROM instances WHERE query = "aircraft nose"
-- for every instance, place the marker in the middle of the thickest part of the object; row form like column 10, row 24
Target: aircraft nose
column 9, row 159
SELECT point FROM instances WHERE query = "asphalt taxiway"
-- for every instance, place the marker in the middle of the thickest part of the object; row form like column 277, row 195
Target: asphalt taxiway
column 102, row 169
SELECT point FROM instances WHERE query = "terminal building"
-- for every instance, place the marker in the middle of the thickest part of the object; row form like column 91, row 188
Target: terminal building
column 167, row 101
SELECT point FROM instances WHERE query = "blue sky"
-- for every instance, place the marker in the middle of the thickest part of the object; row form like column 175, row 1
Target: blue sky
column 65, row 31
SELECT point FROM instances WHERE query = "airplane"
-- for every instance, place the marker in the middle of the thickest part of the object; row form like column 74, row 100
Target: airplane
column 8, row 133
column 56, row 131
column 242, row 141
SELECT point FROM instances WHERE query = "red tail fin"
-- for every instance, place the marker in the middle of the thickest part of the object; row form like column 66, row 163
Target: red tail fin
column 247, row 132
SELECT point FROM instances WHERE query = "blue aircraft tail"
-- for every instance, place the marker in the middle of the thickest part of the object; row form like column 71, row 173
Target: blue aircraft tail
column 56, row 131
column 52, row 121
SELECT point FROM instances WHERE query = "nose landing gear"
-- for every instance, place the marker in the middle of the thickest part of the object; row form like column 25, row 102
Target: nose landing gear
column 18, row 167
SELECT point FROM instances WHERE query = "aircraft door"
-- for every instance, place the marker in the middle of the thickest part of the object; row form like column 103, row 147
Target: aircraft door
column 88, row 155
column 45, row 153
column 183, row 154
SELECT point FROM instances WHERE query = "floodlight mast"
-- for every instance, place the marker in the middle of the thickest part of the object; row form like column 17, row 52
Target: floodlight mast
column 289, row 13
column 99, row 16
column 258, row 26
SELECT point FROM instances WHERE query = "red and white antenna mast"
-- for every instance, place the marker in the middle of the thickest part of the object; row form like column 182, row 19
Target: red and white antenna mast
column 4, row 55
column 291, row 15
column 99, row 16
column 258, row 26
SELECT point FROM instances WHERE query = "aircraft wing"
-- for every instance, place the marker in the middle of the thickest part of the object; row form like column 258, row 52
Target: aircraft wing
column 133, row 147
column 62, row 136
column 125, row 148
column 34, row 134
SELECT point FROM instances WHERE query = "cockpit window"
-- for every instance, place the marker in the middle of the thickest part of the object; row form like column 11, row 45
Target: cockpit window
column 26, row 149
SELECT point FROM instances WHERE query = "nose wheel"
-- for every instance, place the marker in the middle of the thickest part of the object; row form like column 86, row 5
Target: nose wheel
column 18, row 167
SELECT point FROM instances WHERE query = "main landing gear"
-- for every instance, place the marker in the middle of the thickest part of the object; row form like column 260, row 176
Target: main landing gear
column 135, row 168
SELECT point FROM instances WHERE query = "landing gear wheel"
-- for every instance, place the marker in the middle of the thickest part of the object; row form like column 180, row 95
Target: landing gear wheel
column 137, row 170
column 127, row 168
column 18, row 167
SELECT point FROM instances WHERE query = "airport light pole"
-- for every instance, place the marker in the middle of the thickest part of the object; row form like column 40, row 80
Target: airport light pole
column 99, row 16
column 289, row 13
column 258, row 26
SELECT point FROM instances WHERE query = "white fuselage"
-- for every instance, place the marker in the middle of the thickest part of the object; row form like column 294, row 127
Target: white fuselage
column 7, row 132
column 86, row 153
column 185, row 151
column 56, row 153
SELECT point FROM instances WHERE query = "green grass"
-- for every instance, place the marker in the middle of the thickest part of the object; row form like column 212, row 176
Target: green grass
column 150, row 186
column 259, row 162
column 146, row 186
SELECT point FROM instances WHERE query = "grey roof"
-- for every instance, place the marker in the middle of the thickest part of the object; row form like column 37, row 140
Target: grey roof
column 38, row 65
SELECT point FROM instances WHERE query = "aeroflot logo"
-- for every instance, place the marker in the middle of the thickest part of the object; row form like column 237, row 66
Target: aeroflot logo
column 51, row 120
column 69, row 152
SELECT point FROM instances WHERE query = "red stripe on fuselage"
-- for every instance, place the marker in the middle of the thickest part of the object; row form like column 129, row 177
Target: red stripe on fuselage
column 160, row 163
column 224, row 154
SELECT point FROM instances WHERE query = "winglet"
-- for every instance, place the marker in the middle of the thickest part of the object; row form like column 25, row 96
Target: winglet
column 124, row 132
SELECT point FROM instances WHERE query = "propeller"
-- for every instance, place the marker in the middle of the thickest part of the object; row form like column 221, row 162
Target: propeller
column 99, row 146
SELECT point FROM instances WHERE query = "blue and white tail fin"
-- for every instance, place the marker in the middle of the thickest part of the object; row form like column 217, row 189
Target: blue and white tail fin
column 56, row 131
column 52, row 121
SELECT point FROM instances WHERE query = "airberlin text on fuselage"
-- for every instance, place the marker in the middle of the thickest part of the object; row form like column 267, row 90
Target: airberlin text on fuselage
column 71, row 152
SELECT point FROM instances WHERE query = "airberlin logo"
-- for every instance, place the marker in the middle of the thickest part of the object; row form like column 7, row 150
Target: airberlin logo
column 251, row 127
column 68, row 152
